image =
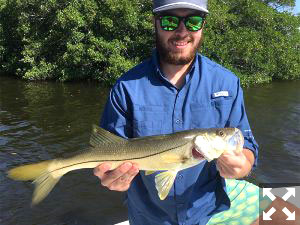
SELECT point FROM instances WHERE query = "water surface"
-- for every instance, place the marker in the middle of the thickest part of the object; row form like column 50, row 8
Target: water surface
column 41, row 121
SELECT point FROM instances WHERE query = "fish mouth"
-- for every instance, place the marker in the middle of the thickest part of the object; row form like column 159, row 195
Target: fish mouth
column 197, row 154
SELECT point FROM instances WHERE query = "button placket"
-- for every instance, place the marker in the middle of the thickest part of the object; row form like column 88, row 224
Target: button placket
column 177, row 116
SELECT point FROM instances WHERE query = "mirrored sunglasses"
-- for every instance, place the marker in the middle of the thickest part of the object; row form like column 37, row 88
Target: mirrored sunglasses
column 171, row 23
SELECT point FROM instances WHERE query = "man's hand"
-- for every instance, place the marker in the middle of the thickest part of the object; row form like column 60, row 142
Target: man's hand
column 235, row 165
column 118, row 179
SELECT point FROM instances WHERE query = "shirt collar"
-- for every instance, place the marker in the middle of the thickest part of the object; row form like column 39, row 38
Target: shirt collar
column 155, row 61
column 157, row 70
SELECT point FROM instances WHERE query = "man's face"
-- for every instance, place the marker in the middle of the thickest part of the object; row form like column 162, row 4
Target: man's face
column 178, row 47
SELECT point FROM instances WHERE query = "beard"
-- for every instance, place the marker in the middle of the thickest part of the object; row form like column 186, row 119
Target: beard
column 176, row 58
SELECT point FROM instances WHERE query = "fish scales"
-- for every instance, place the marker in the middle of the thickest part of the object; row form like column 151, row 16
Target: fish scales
column 165, row 153
column 138, row 150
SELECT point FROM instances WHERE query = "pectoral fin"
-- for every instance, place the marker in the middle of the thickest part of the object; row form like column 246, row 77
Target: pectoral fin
column 149, row 172
column 164, row 182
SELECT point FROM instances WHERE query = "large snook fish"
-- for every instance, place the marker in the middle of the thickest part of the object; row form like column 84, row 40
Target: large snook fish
column 167, row 153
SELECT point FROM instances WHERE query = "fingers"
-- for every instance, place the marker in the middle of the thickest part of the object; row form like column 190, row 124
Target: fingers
column 118, row 179
column 100, row 170
column 224, row 170
column 119, row 174
column 124, row 181
column 230, row 166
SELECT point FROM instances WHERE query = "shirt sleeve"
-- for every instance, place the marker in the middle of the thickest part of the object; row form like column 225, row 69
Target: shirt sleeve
column 238, row 118
column 116, row 117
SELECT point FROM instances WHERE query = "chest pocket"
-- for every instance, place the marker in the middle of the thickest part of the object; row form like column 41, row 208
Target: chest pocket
column 214, row 113
column 222, row 107
column 148, row 120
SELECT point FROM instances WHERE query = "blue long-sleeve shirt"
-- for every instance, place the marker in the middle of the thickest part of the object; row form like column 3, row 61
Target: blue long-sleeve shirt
column 143, row 102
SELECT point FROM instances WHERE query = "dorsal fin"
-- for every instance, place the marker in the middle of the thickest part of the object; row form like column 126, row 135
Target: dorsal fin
column 100, row 136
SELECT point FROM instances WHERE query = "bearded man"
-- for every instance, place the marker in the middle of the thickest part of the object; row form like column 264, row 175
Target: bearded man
column 179, row 89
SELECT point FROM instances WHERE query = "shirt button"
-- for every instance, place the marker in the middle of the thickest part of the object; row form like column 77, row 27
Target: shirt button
column 180, row 176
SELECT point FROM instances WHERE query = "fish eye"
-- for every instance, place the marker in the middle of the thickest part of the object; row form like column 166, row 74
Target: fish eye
column 220, row 133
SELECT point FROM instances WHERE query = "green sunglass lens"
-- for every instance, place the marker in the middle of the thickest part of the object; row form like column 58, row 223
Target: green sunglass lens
column 194, row 23
column 169, row 22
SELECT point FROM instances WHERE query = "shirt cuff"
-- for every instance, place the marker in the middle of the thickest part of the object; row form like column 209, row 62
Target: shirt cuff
column 252, row 145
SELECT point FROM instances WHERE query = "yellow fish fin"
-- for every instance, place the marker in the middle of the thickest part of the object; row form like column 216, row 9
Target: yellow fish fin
column 43, row 185
column 100, row 136
column 149, row 172
column 41, row 176
column 164, row 182
column 28, row 172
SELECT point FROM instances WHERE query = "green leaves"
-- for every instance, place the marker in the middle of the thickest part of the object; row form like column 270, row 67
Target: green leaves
column 67, row 40
column 101, row 39
column 254, row 40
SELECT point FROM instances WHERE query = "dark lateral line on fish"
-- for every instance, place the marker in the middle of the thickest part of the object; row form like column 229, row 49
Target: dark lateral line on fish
column 116, row 160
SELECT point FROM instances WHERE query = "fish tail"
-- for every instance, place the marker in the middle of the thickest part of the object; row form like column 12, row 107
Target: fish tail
column 28, row 172
column 41, row 175
column 43, row 185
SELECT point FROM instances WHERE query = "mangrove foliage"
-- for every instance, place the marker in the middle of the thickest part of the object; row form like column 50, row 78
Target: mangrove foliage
column 66, row 40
